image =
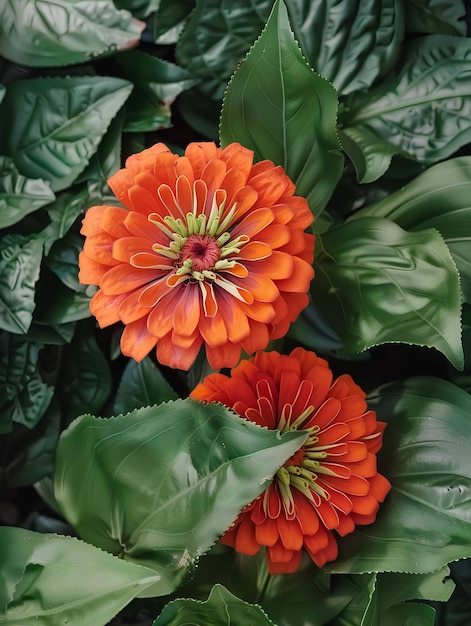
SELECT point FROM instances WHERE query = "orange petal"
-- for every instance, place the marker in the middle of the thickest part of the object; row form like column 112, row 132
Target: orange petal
column 213, row 330
column 125, row 247
column 199, row 153
column 306, row 513
column 290, row 533
column 91, row 221
column 123, row 278
column 187, row 310
column 237, row 156
column 136, row 341
column 286, row 567
column 99, row 248
column 257, row 339
column 253, row 223
column 227, row 355
column 105, row 308
column 130, row 309
column 300, row 279
column 254, row 251
column 139, row 226
column 90, row 272
column 178, row 358
column 112, row 221
column 246, row 542
column 267, row 533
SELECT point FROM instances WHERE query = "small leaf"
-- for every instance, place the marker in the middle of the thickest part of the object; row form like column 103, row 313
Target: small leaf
column 61, row 124
column 50, row 580
column 370, row 156
column 438, row 198
column 19, row 195
column 20, row 262
column 24, row 397
column 280, row 108
column 221, row 608
column 142, row 384
column 436, row 16
column 163, row 482
column 64, row 32
column 422, row 112
column 370, row 273
column 424, row 522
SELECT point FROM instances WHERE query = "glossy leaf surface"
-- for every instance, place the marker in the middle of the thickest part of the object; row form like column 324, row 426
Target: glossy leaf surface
column 64, row 32
column 439, row 198
column 202, row 465
column 425, row 520
column 222, row 608
column 19, row 195
column 370, row 273
column 423, row 112
column 273, row 99
column 61, row 123
column 352, row 43
column 20, row 261
column 142, row 384
column 50, row 580
column 436, row 16
column 24, row 397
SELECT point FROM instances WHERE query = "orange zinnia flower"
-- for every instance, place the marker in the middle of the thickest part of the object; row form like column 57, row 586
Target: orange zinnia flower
column 210, row 249
column 330, row 483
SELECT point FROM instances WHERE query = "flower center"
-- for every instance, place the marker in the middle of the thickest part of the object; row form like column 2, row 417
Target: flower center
column 203, row 251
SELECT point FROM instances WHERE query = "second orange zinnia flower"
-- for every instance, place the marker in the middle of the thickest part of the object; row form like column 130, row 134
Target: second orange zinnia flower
column 210, row 250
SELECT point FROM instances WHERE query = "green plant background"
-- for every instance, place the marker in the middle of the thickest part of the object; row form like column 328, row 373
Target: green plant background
column 367, row 105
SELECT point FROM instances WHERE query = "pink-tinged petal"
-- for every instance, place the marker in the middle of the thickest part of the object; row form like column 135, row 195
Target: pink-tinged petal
column 237, row 291
column 160, row 320
column 252, row 223
column 210, row 305
column 136, row 341
column 187, row 311
column 153, row 293
column 235, row 320
column 124, row 278
column 130, row 309
column 173, row 356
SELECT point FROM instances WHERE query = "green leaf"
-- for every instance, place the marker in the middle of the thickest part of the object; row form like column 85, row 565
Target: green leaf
column 64, row 32
column 436, row 16
column 19, row 195
column 50, row 580
column 156, row 85
column 164, row 482
column 142, row 384
column 370, row 273
column 425, row 520
column 170, row 20
column 20, row 262
column 217, row 37
column 280, row 108
column 438, row 198
column 422, row 112
column 61, row 124
column 370, row 156
column 141, row 8
column 222, row 608
column 352, row 43
column 24, row 397
column 354, row 614
column 84, row 382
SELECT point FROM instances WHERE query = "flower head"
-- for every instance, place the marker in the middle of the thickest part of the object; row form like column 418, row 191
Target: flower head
column 210, row 249
column 331, row 482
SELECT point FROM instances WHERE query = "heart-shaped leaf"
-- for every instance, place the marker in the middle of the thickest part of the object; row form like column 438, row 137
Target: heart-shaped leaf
column 163, row 482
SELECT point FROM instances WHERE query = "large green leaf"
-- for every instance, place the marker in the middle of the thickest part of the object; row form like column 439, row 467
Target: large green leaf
column 163, row 482
column 377, row 283
column 217, row 37
column 20, row 262
column 279, row 107
column 19, row 195
column 64, row 32
column 436, row 16
column 439, row 198
column 24, row 397
column 57, row 123
column 424, row 523
column 352, row 43
column 222, row 608
column 422, row 112
column 50, row 580
column 142, row 384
